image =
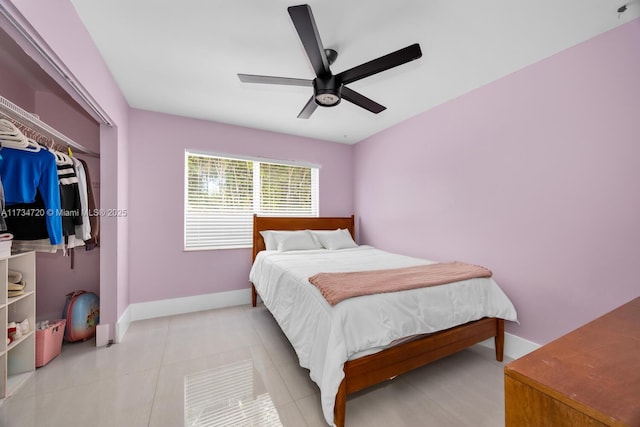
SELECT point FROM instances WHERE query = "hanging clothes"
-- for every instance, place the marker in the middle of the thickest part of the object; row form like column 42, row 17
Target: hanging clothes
column 48, row 195
column 24, row 174
column 69, row 195
column 27, row 221
column 94, row 217
column 83, row 231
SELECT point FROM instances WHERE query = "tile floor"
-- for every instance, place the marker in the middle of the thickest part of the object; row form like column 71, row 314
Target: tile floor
column 238, row 355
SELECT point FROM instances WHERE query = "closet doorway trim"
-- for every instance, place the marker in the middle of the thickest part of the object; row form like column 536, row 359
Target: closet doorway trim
column 30, row 41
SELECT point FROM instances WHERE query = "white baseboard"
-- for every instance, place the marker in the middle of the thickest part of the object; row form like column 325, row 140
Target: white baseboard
column 123, row 325
column 170, row 307
column 514, row 346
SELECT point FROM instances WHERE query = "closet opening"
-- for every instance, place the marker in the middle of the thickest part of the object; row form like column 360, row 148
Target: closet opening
column 23, row 83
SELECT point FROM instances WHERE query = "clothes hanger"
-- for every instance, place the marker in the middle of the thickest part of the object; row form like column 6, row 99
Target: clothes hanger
column 11, row 136
column 32, row 146
column 61, row 158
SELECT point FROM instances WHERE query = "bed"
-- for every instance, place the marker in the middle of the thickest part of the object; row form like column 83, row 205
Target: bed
column 341, row 359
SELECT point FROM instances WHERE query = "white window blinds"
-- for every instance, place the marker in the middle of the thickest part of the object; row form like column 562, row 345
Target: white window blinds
column 222, row 194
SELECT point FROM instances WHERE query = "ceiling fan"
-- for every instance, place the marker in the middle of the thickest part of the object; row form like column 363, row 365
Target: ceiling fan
column 329, row 89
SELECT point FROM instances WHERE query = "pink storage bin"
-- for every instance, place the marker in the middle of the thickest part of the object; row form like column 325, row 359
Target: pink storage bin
column 49, row 342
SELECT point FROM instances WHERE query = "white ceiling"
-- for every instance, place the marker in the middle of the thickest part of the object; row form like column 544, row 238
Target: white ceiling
column 183, row 57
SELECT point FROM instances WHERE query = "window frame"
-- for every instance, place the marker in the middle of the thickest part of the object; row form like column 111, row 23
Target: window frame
column 315, row 190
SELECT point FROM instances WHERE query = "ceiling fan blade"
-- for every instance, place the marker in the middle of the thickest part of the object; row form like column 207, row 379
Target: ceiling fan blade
column 308, row 32
column 383, row 63
column 308, row 109
column 361, row 100
column 253, row 78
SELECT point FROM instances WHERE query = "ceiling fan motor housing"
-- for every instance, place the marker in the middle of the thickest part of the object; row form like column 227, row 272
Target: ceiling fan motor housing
column 328, row 90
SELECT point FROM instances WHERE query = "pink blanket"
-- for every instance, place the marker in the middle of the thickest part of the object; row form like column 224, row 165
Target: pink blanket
column 336, row 287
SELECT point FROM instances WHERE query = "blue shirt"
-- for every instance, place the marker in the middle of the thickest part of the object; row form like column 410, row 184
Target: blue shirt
column 25, row 172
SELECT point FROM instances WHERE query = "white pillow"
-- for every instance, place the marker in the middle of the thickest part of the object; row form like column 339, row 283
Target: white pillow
column 335, row 239
column 301, row 240
column 315, row 233
column 315, row 237
column 298, row 241
column 270, row 243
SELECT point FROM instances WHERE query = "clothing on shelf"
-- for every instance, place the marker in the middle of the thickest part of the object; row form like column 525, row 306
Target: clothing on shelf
column 6, row 243
column 15, row 283
column 41, row 245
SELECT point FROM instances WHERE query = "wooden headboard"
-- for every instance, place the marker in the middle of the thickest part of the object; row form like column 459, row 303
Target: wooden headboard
column 261, row 223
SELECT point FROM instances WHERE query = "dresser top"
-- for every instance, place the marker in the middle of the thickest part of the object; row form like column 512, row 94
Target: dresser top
column 595, row 369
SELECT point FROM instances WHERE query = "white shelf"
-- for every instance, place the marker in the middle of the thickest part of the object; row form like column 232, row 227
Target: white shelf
column 15, row 381
column 20, row 340
column 17, row 360
column 11, row 111
column 19, row 297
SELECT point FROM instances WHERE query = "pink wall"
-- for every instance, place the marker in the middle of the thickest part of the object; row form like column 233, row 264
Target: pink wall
column 13, row 88
column 160, row 269
column 64, row 115
column 535, row 176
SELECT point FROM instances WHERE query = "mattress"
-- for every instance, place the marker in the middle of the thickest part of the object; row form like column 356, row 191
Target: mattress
column 325, row 337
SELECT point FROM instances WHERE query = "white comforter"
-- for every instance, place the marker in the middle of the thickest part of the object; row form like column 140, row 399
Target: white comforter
column 325, row 337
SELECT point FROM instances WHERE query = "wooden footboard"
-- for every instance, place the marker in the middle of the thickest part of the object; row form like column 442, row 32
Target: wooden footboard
column 384, row 365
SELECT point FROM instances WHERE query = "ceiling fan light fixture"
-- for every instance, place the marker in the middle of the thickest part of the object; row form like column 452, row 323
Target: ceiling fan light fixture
column 327, row 99
column 327, row 91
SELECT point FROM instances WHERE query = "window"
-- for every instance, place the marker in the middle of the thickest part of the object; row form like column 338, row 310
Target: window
column 223, row 193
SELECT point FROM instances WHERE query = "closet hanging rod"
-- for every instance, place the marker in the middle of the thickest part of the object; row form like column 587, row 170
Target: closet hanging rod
column 11, row 110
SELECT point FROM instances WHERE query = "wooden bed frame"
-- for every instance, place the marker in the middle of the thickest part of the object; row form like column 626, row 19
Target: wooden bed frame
column 386, row 364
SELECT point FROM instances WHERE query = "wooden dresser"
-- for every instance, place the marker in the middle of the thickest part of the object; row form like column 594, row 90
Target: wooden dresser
column 589, row 377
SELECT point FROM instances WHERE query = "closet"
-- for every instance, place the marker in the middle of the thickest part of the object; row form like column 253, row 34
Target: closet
column 49, row 199
column 42, row 110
